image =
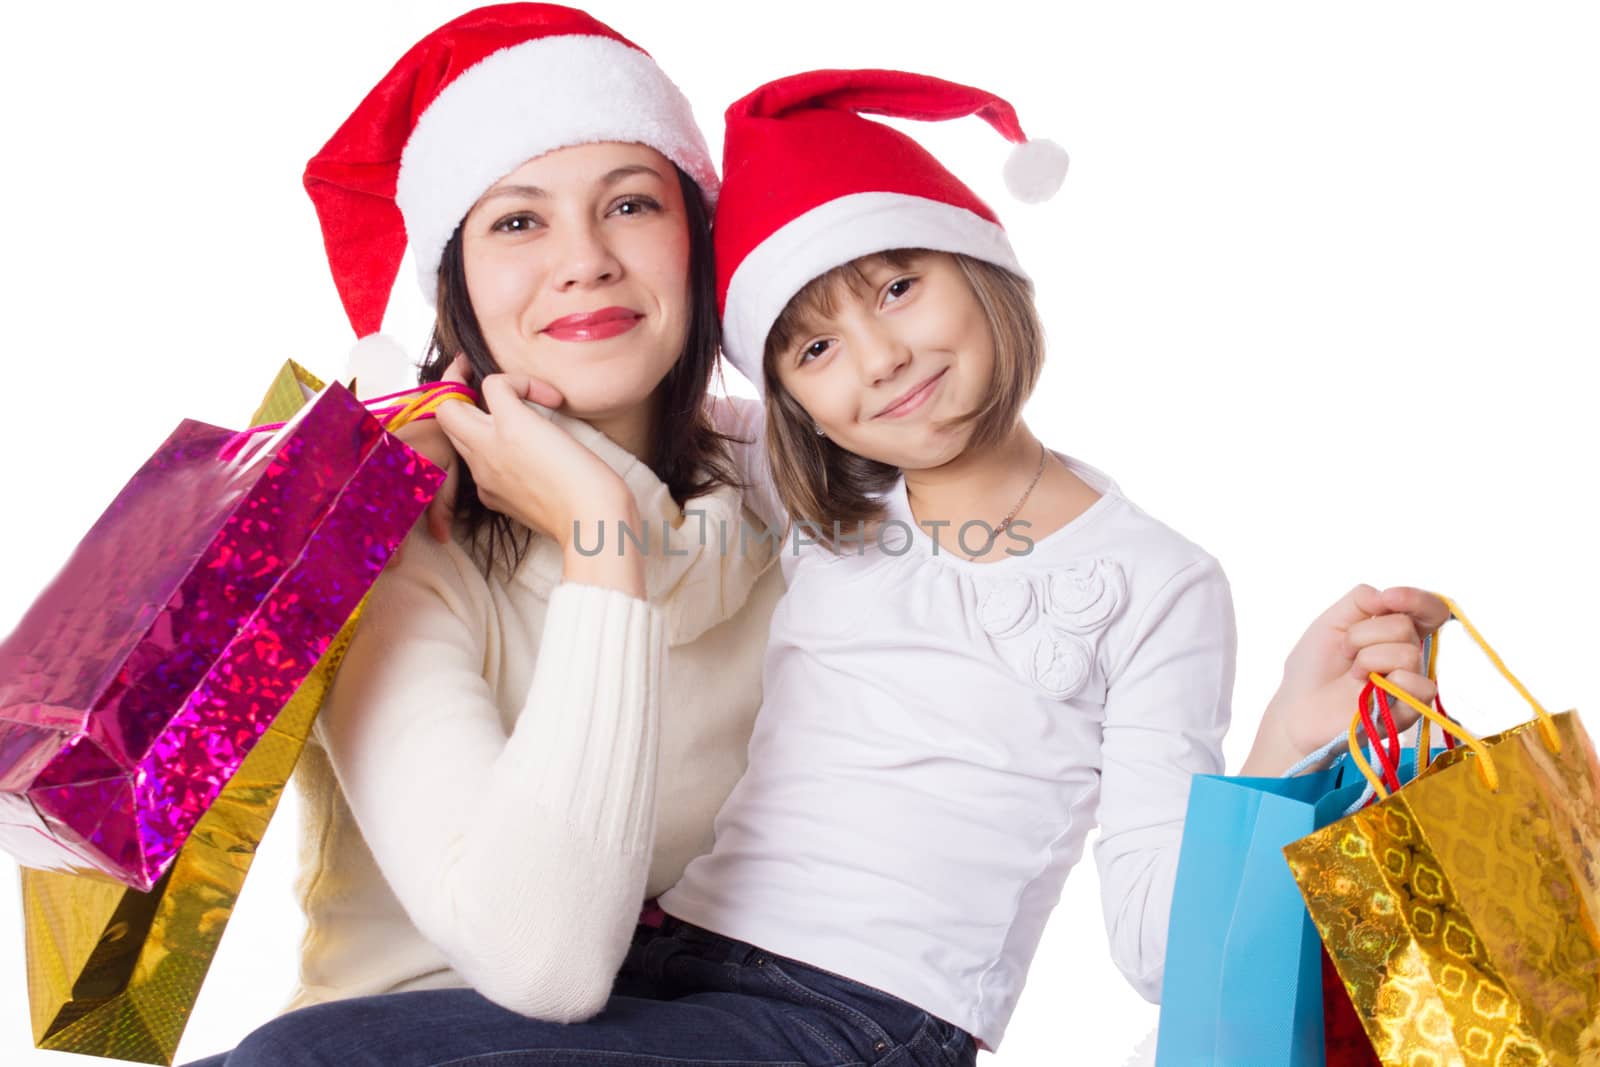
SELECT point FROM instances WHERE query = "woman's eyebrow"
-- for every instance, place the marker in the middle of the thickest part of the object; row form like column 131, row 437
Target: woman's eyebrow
column 615, row 176
column 534, row 192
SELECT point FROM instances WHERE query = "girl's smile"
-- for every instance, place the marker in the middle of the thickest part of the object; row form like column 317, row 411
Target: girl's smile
column 912, row 400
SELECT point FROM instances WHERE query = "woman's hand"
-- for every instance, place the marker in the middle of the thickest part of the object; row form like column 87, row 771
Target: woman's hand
column 1366, row 631
column 427, row 438
column 527, row 467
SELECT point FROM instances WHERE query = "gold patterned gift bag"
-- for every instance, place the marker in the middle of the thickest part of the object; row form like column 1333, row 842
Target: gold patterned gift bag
column 1460, row 910
column 115, row 972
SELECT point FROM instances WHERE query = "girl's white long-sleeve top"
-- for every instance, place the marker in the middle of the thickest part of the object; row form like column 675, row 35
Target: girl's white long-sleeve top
column 940, row 736
column 505, row 769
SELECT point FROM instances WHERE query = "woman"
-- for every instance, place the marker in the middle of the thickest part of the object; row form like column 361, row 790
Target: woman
column 528, row 737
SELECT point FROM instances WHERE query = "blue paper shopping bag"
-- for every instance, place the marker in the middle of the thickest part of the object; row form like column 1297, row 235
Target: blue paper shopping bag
column 1243, row 981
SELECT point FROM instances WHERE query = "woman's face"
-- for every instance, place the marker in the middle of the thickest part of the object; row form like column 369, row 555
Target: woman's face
column 899, row 356
column 577, row 266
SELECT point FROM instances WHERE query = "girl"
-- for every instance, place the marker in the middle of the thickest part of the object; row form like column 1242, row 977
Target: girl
column 938, row 731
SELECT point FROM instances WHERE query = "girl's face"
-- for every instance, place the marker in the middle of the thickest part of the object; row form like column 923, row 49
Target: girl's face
column 577, row 266
column 899, row 356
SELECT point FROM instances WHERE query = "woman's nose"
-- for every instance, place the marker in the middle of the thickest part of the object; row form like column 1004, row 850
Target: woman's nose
column 586, row 260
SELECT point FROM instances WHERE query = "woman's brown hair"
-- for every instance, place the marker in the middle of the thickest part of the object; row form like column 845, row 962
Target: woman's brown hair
column 686, row 452
column 835, row 491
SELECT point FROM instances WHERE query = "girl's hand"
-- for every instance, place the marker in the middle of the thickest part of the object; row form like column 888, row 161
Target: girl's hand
column 527, row 467
column 1366, row 631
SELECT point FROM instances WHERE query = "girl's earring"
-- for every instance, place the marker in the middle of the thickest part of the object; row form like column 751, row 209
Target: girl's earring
column 820, row 431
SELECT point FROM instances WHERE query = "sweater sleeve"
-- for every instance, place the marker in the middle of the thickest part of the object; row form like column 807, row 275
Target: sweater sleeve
column 521, row 856
column 1167, row 708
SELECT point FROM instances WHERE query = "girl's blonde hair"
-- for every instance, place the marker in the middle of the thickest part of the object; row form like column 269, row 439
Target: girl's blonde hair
column 834, row 491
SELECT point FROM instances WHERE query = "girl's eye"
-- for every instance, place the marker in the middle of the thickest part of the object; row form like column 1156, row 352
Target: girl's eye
column 635, row 205
column 519, row 223
column 813, row 350
column 897, row 289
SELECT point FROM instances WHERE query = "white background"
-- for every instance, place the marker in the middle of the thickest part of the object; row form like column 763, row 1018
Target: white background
column 1321, row 293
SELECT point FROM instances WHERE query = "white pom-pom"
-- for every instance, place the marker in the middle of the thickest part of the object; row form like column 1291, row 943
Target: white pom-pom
column 379, row 366
column 1035, row 170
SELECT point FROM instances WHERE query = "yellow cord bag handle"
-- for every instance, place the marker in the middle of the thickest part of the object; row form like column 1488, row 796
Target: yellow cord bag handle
column 1485, row 761
column 426, row 403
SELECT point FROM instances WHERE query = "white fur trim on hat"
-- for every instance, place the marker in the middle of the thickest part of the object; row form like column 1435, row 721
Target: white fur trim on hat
column 834, row 234
column 522, row 102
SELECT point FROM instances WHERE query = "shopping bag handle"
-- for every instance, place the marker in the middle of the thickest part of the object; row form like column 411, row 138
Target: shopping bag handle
column 424, row 401
column 393, row 410
column 1430, row 652
column 1485, row 762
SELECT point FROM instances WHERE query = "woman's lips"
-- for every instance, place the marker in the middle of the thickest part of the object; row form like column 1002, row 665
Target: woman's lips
column 594, row 325
column 914, row 400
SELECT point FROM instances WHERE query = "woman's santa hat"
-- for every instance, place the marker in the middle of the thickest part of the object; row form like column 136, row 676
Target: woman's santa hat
column 809, row 185
column 468, row 104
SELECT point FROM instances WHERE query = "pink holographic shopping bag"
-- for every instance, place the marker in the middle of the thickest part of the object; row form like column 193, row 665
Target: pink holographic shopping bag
column 140, row 679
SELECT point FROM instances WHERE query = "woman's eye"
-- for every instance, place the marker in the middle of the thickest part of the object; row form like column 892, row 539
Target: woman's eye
column 897, row 289
column 635, row 205
column 520, row 223
column 813, row 351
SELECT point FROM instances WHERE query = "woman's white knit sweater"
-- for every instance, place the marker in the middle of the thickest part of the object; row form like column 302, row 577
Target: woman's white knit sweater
column 505, row 769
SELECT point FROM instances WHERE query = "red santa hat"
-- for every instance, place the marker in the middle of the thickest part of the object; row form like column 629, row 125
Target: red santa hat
column 809, row 185
column 468, row 104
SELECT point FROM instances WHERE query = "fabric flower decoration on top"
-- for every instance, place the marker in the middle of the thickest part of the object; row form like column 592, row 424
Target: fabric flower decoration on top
column 1007, row 607
column 1061, row 663
column 1085, row 596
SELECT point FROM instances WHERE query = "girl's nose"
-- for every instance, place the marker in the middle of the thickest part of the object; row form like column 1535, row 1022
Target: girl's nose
column 881, row 355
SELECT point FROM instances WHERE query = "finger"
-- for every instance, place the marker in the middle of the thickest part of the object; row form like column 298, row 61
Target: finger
column 1427, row 610
column 1362, row 602
column 1382, row 659
column 503, row 395
column 499, row 393
column 465, row 425
column 458, row 371
column 537, row 390
column 1385, row 629
column 1415, row 684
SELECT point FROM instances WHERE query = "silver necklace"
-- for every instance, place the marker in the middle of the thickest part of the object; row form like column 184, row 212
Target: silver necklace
column 1005, row 523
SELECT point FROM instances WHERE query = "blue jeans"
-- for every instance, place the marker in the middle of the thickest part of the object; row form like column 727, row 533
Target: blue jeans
column 684, row 996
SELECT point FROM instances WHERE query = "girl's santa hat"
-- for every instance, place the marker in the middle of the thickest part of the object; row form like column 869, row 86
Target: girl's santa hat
column 809, row 185
column 468, row 104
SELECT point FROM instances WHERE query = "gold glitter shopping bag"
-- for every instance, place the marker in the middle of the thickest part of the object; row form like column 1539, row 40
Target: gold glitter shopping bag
column 1460, row 910
column 115, row 972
